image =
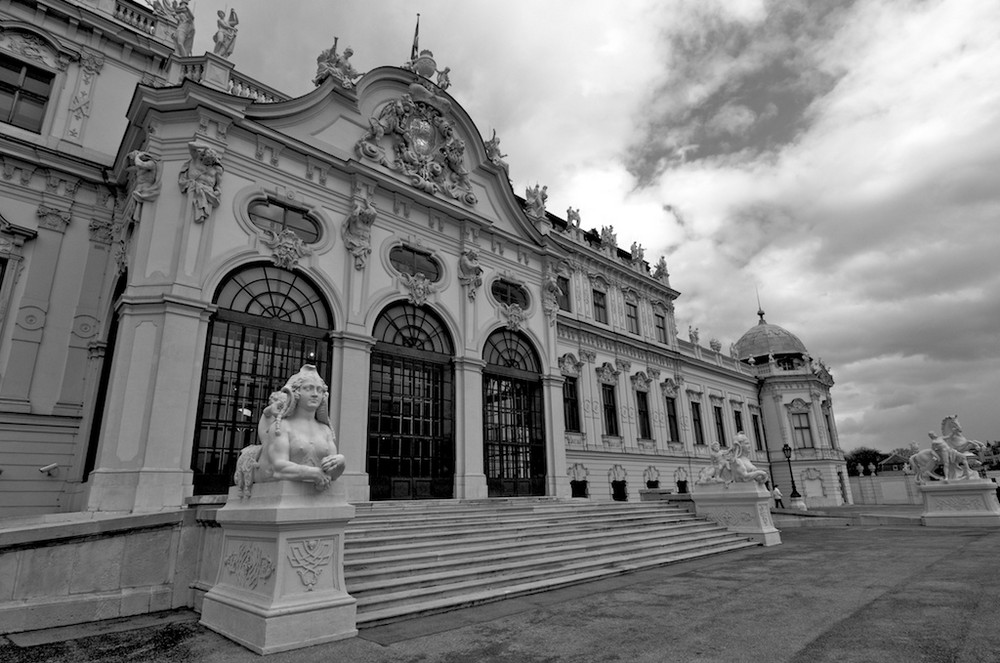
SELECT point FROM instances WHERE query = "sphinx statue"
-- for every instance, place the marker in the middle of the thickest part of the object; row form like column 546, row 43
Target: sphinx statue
column 296, row 441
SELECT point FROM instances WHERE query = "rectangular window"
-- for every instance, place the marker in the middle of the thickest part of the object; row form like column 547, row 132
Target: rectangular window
column 720, row 429
column 600, row 307
column 738, row 420
column 632, row 317
column 642, row 409
column 571, row 405
column 610, row 409
column 699, row 432
column 801, row 430
column 661, row 328
column 672, row 426
column 826, row 417
column 563, row 299
column 757, row 432
column 24, row 92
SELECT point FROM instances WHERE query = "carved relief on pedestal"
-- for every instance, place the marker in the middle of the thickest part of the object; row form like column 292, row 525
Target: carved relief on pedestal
column 309, row 558
column 249, row 565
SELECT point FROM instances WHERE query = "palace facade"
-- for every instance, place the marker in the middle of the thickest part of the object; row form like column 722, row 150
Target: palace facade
column 176, row 239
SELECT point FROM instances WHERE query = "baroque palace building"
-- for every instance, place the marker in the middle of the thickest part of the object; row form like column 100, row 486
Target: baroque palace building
column 176, row 239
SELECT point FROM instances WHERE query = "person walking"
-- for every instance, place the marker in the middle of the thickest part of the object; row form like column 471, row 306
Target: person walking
column 776, row 494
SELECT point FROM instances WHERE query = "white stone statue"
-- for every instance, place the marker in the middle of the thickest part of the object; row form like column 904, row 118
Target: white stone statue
column 718, row 471
column 534, row 199
column 296, row 441
column 741, row 467
column 144, row 169
column 200, row 179
column 225, row 35
column 573, row 217
column 493, row 152
column 329, row 63
column 951, row 452
column 180, row 12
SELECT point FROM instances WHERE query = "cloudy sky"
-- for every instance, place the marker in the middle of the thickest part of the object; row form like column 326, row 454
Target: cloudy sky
column 841, row 157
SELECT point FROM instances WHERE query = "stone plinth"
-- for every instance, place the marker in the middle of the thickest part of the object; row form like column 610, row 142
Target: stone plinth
column 281, row 578
column 961, row 504
column 743, row 508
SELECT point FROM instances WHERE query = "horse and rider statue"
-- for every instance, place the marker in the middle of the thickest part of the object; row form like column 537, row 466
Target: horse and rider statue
column 949, row 455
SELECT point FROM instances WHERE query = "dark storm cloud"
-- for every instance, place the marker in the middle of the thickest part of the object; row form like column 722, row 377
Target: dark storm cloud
column 734, row 86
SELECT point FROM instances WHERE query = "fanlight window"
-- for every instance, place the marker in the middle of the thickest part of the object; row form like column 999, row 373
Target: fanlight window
column 413, row 327
column 271, row 216
column 509, row 293
column 509, row 350
column 407, row 260
column 269, row 292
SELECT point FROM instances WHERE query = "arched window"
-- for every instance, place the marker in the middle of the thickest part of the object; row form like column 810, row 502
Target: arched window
column 513, row 417
column 411, row 406
column 269, row 322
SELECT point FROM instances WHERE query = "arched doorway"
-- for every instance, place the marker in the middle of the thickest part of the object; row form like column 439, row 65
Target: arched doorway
column 513, row 410
column 268, row 323
column 411, row 406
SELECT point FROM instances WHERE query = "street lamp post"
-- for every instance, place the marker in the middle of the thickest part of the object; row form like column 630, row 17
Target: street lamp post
column 787, row 450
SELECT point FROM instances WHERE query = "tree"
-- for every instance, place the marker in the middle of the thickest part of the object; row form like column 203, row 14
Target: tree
column 865, row 456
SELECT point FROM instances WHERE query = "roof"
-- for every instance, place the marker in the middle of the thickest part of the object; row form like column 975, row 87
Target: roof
column 764, row 338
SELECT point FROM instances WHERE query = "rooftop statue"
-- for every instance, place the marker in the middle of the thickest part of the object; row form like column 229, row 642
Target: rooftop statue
column 331, row 64
column 493, row 152
column 573, row 217
column 951, row 452
column 179, row 11
column 225, row 35
column 296, row 441
column 534, row 198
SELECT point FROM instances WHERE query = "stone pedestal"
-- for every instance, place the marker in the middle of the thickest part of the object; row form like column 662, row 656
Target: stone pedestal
column 281, row 578
column 743, row 508
column 961, row 504
column 798, row 503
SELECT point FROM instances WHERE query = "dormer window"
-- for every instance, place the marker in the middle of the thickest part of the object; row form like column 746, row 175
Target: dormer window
column 277, row 218
column 24, row 92
column 410, row 261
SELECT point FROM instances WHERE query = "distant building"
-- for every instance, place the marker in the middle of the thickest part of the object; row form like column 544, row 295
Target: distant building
column 177, row 238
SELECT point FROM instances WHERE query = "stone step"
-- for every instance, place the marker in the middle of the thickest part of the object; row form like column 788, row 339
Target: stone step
column 408, row 558
column 503, row 560
column 421, row 603
column 361, row 553
column 415, row 533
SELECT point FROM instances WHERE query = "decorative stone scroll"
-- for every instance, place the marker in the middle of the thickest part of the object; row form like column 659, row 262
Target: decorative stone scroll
column 640, row 382
column 569, row 366
column 669, row 388
column 53, row 219
column 514, row 315
column 606, row 374
column 419, row 287
column 287, row 248
column 423, row 144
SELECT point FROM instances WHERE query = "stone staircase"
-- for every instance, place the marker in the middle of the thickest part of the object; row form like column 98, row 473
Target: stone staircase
column 403, row 559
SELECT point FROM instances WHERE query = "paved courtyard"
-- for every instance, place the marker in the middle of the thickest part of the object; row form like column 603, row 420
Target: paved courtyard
column 844, row 594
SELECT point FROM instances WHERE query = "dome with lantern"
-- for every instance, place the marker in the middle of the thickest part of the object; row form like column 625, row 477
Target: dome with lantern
column 764, row 340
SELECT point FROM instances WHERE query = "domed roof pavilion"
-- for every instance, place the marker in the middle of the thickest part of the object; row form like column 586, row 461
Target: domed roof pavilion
column 764, row 339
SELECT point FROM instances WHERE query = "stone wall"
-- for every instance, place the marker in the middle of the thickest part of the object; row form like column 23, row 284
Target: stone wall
column 73, row 568
column 893, row 489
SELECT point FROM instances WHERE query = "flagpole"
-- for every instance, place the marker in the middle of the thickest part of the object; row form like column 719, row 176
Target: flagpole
column 415, row 51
